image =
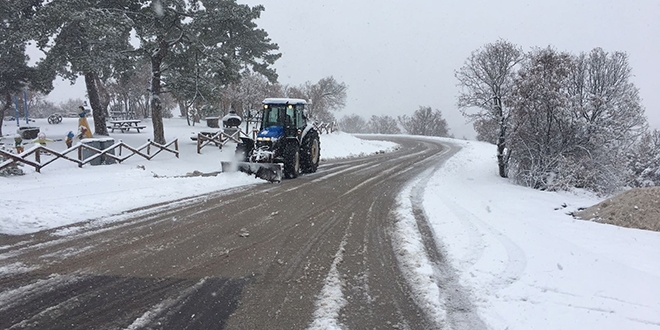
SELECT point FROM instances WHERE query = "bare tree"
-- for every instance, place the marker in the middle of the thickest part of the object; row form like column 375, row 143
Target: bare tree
column 486, row 129
column 246, row 95
column 353, row 124
column 425, row 121
column 70, row 107
column 576, row 121
column 383, row 125
column 326, row 95
column 545, row 128
column 605, row 99
column 611, row 118
column 486, row 81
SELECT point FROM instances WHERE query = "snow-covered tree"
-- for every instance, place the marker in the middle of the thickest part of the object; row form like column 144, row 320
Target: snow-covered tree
column 644, row 161
column 87, row 38
column 383, row 125
column 128, row 93
column 425, row 121
column 486, row 81
column 486, row 129
column 209, row 41
column 575, row 121
column 544, row 125
column 246, row 95
column 15, row 73
column 353, row 124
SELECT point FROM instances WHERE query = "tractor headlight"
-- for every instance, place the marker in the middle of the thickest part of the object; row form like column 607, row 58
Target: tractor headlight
column 267, row 139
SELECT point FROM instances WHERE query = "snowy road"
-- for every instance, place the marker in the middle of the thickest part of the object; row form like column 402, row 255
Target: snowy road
column 323, row 251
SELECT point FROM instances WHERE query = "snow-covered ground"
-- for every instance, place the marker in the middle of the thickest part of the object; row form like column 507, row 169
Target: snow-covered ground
column 529, row 265
column 63, row 194
column 525, row 263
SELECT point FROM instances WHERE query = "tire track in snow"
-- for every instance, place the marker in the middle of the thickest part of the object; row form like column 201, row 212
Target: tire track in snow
column 430, row 275
column 414, row 261
column 516, row 260
column 331, row 299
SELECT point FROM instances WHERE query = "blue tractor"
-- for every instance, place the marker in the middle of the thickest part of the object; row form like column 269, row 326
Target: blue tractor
column 286, row 145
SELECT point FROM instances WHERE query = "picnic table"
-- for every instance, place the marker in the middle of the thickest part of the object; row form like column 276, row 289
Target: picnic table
column 126, row 125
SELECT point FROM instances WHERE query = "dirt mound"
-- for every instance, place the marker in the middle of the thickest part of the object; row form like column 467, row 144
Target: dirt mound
column 635, row 208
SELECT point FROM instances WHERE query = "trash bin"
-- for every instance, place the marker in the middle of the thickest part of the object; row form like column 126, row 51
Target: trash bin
column 86, row 153
column 101, row 144
column 28, row 133
column 107, row 143
column 213, row 122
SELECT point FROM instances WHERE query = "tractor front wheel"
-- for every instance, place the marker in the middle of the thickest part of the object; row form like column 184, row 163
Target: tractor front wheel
column 291, row 160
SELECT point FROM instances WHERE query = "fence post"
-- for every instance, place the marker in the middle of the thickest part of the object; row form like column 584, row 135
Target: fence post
column 149, row 148
column 199, row 143
column 176, row 147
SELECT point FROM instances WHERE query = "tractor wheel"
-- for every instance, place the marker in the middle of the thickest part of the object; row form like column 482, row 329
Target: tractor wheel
column 291, row 160
column 310, row 153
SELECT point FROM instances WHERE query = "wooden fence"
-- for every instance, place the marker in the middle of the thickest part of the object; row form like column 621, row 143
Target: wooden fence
column 33, row 156
column 220, row 138
column 327, row 127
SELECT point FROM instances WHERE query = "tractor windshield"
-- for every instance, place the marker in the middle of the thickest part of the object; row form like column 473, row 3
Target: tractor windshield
column 278, row 115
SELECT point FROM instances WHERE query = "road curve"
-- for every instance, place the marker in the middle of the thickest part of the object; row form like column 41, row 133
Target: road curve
column 307, row 253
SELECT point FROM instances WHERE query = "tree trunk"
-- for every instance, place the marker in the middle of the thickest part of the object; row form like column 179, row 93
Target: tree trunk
column 98, row 112
column 3, row 110
column 184, row 111
column 156, row 102
column 502, row 160
column 104, row 96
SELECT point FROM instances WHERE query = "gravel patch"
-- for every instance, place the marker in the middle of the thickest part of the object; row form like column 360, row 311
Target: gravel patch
column 636, row 208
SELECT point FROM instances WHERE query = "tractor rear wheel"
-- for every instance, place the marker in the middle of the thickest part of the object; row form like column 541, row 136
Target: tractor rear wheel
column 310, row 153
column 291, row 160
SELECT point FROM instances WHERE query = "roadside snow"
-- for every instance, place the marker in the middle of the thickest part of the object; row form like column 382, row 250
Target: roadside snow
column 64, row 194
column 532, row 266
column 413, row 260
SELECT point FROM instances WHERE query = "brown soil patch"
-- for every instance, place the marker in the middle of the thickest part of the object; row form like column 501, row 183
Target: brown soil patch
column 636, row 208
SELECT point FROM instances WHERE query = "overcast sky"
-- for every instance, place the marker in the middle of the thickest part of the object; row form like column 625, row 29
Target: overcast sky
column 396, row 55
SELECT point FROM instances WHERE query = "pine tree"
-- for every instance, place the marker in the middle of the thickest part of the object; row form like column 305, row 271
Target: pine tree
column 15, row 73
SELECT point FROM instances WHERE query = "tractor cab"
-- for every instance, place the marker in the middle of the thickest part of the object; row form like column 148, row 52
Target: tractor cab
column 282, row 118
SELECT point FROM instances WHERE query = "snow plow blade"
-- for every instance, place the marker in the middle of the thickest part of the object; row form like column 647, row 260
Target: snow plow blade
column 268, row 171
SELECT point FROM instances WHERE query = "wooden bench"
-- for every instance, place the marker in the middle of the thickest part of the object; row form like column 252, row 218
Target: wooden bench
column 125, row 128
column 125, row 125
column 137, row 128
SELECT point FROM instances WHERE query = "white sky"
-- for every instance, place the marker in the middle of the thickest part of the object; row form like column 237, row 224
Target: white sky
column 398, row 55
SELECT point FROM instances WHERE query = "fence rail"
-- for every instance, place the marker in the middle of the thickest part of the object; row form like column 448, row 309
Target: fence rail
column 220, row 138
column 327, row 127
column 33, row 156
